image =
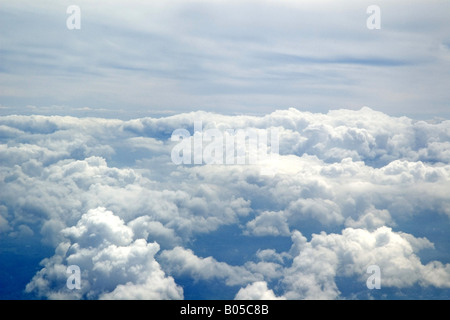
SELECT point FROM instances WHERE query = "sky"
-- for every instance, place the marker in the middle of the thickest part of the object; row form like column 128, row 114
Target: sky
column 140, row 58
column 353, row 124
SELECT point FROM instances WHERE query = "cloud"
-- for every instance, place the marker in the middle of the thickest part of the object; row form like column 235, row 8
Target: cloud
column 269, row 223
column 98, row 226
column 313, row 271
column 184, row 262
column 351, row 188
column 113, row 266
column 325, row 211
column 144, row 227
column 271, row 255
column 4, row 224
column 256, row 291
column 236, row 55
column 372, row 220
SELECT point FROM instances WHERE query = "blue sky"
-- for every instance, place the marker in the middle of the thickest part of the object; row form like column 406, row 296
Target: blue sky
column 139, row 58
column 87, row 178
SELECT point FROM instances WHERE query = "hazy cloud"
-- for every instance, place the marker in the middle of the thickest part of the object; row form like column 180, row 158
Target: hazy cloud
column 240, row 56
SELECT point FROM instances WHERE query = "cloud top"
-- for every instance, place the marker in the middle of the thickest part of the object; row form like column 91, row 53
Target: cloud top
column 352, row 189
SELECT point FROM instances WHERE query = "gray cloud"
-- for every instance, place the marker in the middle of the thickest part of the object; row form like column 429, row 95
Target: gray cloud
column 237, row 56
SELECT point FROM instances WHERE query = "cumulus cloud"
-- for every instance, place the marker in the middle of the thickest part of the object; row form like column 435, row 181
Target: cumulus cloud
column 113, row 266
column 98, row 226
column 4, row 225
column 185, row 262
column 269, row 223
column 350, row 189
column 313, row 271
column 256, row 291
column 371, row 219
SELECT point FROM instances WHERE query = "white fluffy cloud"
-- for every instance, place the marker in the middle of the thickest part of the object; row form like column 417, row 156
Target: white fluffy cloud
column 318, row 262
column 256, row 291
column 105, row 194
column 269, row 223
column 371, row 219
column 182, row 261
column 112, row 265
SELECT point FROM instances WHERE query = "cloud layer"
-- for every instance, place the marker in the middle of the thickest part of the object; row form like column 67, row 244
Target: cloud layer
column 351, row 189
column 237, row 55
